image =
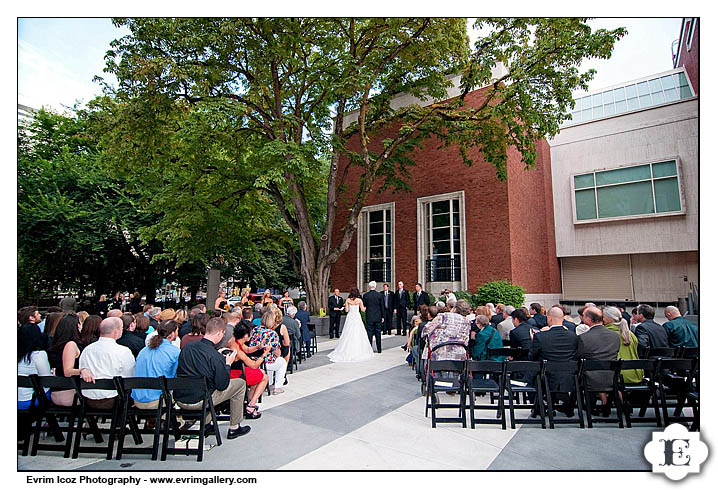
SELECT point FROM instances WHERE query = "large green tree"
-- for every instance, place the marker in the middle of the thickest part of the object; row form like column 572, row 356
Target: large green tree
column 262, row 104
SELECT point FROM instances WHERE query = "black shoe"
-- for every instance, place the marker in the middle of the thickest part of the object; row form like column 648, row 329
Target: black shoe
column 239, row 431
column 378, row 352
column 285, row 381
column 403, row 346
column 208, row 430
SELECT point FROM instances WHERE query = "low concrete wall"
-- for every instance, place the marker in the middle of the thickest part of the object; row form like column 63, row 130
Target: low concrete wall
column 322, row 324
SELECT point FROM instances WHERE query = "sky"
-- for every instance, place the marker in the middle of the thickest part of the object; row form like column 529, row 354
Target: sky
column 58, row 57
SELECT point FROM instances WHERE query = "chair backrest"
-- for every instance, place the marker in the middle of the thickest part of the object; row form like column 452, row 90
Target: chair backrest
column 675, row 365
column 531, row 367
column 311, row 327
column 689, row 352
column 647, row 365
column 506, row 342
column 446, row 344
column 99, row 384
column 514, row 352
column 56, row 382
column 571, row 367
column 596, row 365
column 446, row 365
column 656, row 352
column 187, row 382
column 493, row 367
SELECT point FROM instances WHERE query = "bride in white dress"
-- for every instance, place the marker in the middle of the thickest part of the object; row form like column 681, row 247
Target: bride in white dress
column 354, row 343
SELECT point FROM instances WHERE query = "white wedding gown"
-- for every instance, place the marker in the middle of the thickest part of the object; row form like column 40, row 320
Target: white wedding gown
column 354, row 345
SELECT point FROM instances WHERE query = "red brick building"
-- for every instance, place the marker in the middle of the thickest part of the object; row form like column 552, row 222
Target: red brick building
column 459, row 227
column 686, row 52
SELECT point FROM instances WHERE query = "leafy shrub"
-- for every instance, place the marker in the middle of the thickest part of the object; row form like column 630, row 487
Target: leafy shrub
column 500, row 292
column 432, row 299
column 471, row 298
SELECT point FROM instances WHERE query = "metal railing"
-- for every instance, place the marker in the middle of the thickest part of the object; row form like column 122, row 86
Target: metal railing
column 443, row 269
column 377, row 270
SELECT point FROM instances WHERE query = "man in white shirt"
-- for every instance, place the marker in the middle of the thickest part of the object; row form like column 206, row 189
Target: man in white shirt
column 504, row 327
column 106, row 359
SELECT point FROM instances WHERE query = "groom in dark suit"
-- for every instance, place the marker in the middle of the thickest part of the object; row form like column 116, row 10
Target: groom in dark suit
column 336, row 305
column 401, row 303
column 373, row 302
column 387, row 313
column 421, row 297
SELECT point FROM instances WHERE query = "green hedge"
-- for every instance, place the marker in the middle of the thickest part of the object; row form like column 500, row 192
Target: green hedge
column 500, row 292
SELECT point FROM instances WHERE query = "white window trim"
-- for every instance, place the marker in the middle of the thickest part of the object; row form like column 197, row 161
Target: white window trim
column 421, row 234
column 679, row 175
column 362, row 238
column 689, row 39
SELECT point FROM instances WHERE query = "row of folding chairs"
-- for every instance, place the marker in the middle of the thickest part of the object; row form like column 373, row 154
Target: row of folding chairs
column 667, row 384
column 80, row 420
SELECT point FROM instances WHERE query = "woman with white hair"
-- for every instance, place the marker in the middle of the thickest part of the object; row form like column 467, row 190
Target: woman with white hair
column 628, row 349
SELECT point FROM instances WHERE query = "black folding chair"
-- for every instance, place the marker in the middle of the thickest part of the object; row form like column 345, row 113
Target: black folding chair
column 512, row 352
column 589, row 399
column 481, row 378
column 25, row 417
column 131, row 415
column 204, row 405
column 293, row 364
column 673, row 381
column 569, row 369
column 443, row 377
column 92, row 415
column 313, row 348
column 692, row 397
column 646, row 389
column 51, row 413
column 525, row 377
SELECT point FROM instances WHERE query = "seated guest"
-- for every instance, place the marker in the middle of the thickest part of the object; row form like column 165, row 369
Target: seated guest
column 186, row 326
column 51, row 322
column 425, row 317
column 154, row 315
column 556, row 343
column 448, row 327
column 202, row 359
column 198, row 330
column 157, row 359
column 581, row 328
column 129, row 339
column 567, row 318
column 649, row 333
column 257, row 315
column 228, row 329
column 537, row 319
column 114, row 313
column 628, row 349
column 289, row 321
column 90, row 331
column 681, row 332
column 82, row 315
column 265, row 334
column 31, row 359
column 600, row 344
column 64, row 356
column 520, row 335
column 499, row 316
column 507, row 324
column 624, row 314
column 282, row 332
column 410, row 343
column 106, row 359
column 304, row 320
column 254, row 376
column 486, row 338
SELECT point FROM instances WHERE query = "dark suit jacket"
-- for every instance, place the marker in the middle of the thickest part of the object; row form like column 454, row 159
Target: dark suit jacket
column 403, row 301
column 556, row 344
column 538, row 320
column 374, row 304
column 521, row 337
column 497, row 318
column 387, row 311
column 650, row 334
column 335, row 303
column 600, row 344
column 570, row 325
column 420, row 299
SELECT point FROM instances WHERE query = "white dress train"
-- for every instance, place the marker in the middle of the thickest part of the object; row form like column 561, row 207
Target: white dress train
column 353, row 345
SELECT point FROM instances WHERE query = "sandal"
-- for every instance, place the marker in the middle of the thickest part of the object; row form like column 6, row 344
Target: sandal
column 252, row 412
column 277, row 391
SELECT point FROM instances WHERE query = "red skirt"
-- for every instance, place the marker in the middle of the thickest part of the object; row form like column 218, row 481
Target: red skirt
column 251, row 375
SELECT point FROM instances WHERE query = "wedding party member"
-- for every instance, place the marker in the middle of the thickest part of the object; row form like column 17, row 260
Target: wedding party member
column 106, row 359
column 266, row 298
column 135, row 303
column 159, row 358
column 401, row 303
column 202, row 359
column 285, row 302
column 221, row 302
column 387, row 312
column 353, row 345
column 374, row 306
column 64, row 356
column 102, row 306
column 421, row 297
column 254, row 376
column 116, row 303
column 336, row 305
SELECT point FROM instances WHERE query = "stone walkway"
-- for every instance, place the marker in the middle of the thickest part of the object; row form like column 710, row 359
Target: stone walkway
column 370, row 416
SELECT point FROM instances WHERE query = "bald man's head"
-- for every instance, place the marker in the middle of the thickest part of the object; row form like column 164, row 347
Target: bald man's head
column 672, row 312
column 111, row 327
column 592, row 316
column 555, row 316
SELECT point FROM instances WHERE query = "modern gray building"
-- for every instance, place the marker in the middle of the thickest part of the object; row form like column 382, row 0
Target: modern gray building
column 625, row 192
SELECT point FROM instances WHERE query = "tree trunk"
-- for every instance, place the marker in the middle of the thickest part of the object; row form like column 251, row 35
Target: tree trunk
column 316, row 282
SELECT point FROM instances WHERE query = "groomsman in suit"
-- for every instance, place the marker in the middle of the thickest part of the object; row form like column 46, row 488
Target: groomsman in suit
column 401, row 303
column 420, row 298
column 374, row 304
column 387, row 312
column 336, row 305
